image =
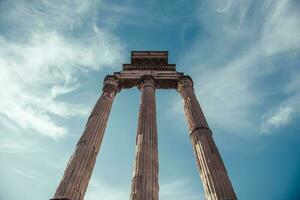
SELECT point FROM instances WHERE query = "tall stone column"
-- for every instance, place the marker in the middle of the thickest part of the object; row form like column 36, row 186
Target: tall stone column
column 145, row 176
column 80, row 166
column 211, row 167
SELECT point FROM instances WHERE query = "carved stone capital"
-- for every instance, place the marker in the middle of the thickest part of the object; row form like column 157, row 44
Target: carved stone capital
column 111, row 85
column 147, row 81
column 184, row 81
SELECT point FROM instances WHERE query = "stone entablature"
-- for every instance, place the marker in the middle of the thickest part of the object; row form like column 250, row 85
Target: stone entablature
column 149, row 63
column 163, row 79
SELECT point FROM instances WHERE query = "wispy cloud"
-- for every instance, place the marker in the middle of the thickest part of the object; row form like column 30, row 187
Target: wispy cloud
column 12, row 145
column 179, row 189
column 176, row 190
column 99, row 189
column 23, row 173
column 245, row 47
column 287, row 110
column 277, row 118
column 223, row 6
column 41, row 56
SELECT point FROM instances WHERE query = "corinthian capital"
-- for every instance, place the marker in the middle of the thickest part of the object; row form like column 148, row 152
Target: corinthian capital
column 111, row 85
column 147, row 81
column 184, row 81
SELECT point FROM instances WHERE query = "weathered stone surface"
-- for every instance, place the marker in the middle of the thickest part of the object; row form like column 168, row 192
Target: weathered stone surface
column 80, row 166
column 145, row 175
column 149, row 70
column 212, row 171
column 149, row 58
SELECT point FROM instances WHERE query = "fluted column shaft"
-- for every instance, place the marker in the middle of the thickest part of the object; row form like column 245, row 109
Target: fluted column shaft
column 80, row 166
column 212, row 171
column 145, row 176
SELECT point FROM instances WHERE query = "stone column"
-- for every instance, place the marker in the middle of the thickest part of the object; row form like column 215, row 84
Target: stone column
column 80, row 166
column 212, row 171
column 145, row 175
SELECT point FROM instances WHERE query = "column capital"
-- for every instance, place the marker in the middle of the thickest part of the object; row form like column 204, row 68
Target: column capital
column 147, row 81
column 184, row 81
column 111, row 84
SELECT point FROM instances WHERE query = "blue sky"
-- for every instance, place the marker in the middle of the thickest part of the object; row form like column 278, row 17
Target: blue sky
column 243, row 56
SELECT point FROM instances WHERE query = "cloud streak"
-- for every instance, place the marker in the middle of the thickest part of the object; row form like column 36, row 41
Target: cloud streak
column 40, row 67
column 232, row 82
column 98, row 189
column 177, row 190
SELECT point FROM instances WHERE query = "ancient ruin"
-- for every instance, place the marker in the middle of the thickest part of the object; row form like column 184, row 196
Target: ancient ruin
column 149, row 71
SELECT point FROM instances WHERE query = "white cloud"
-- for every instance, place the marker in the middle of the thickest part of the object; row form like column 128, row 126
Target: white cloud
column 98, row 189
column 227, row 90
column 13, row 145
column 175, row 190
column 288, row 109
column 277, row 118
column 281, row 30
column 43, row 63
column 281, row 34
column 178, row 190
column 223, row 6
column 23, row 173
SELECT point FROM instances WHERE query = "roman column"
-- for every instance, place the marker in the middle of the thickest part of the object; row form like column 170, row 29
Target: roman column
column 211, row 167
column 80, row 166
column 145, row 175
